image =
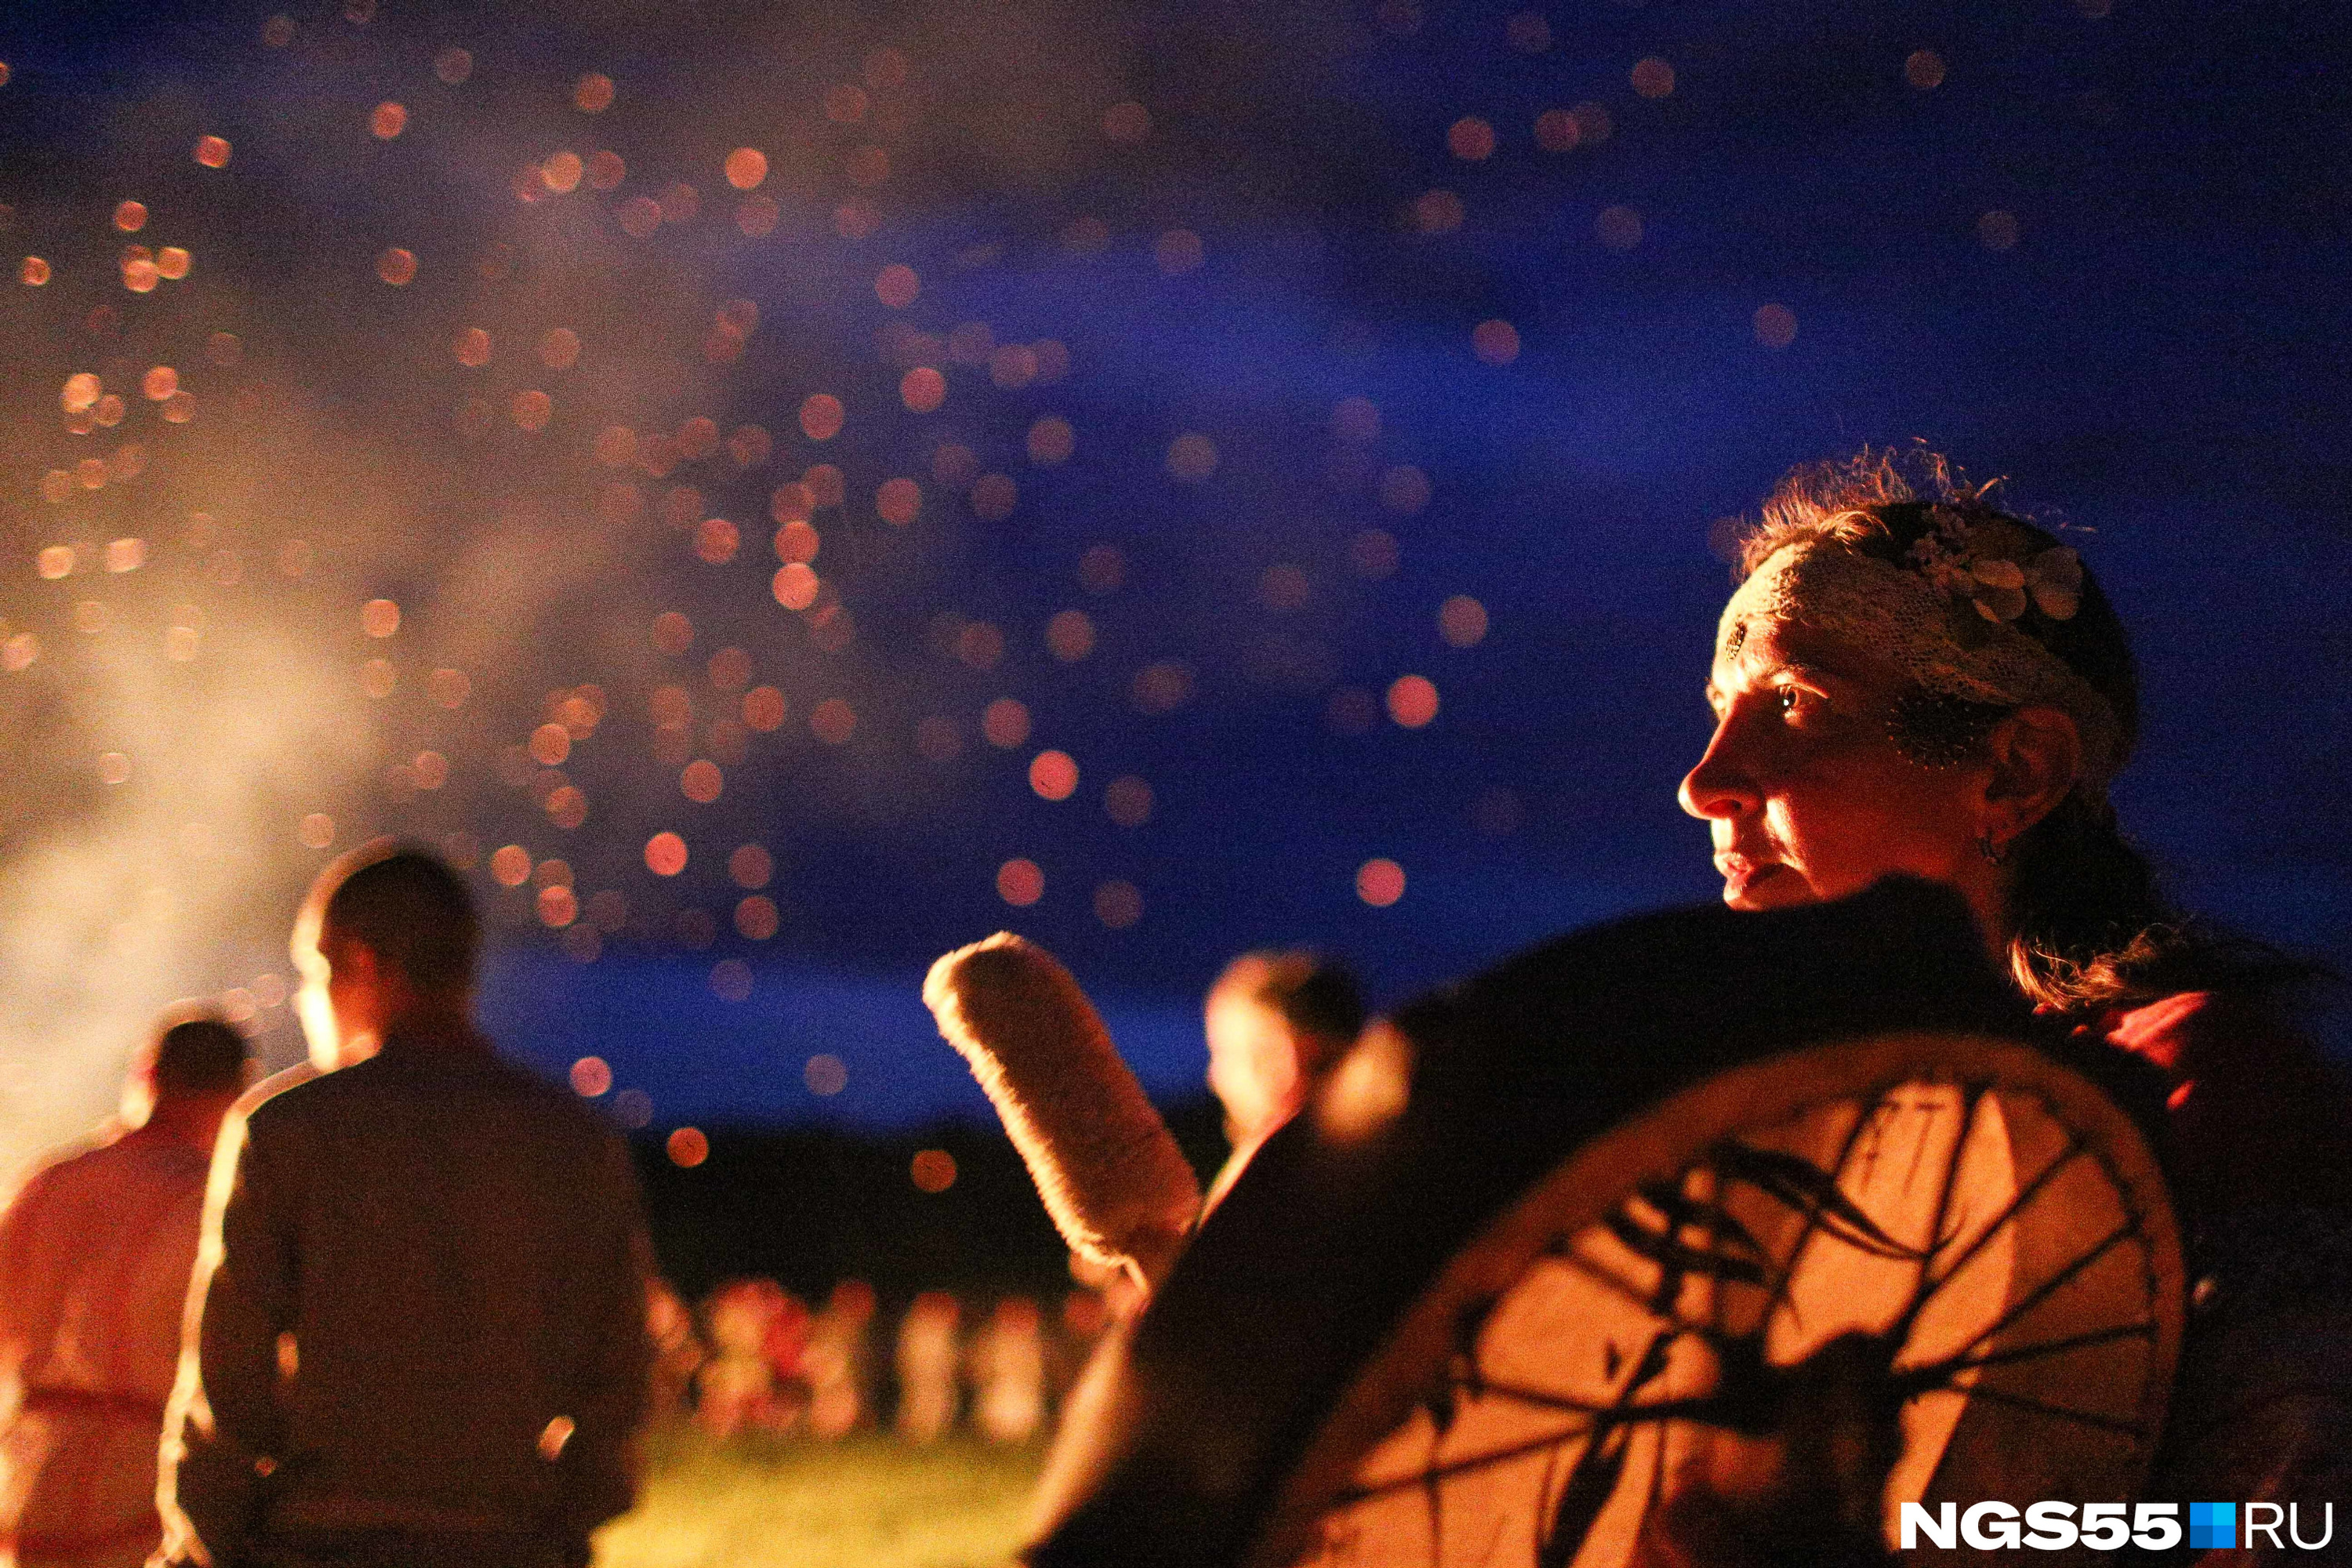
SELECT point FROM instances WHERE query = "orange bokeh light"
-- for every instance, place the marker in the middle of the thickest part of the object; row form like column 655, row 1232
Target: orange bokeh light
column 1192, row 458
column 1462, row 621
column 795, row 585
column 1053, row 775
column 898, row 501
column 833, row 721
column 1051, row 440
column 845, row 104
column 798, row 541
column 993, row 497
column 715, row 541
column 746, row 168
column 1179, row 251
column 1005, row 722
column 1127, row 801
column 567, row 806
column 1471, row 138
column 751, row 866
column 763, row 709
column 1119, row 904
column 922, row 389
column 730, row 978
column 821, row 417
column 1495, row 341
column 1619, row 229
column 730, row 669
column 1412, row 701
column 558, row 906
column 756, row 919
column 933, row 1170
column 1020, row 883
column 664, row 854
column 1379, row 882
column 793, row 502
column 1070, row 635
column 1404, row 489
column 1557, row 131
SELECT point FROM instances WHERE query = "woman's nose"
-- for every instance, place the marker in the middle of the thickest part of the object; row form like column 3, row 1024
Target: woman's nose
column 1720, row 786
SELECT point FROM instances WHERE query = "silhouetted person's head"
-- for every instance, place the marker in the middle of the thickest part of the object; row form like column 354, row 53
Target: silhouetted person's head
column 388, row 936
column 186, row 1079
column 1276, row 1022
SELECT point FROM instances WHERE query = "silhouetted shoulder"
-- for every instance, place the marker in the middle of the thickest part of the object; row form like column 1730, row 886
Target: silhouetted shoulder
column 444, row 1076
column 279, row 1097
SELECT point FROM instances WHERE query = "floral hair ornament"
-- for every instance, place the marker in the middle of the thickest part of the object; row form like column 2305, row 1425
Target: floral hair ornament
column 1958, row 615
column 1998, row 568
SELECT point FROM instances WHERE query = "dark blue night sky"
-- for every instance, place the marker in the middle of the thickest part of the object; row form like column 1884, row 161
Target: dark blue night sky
column 2103, row 255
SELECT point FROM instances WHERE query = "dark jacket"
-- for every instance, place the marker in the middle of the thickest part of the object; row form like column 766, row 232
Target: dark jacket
column 2259, row 1158
column 419, row 1313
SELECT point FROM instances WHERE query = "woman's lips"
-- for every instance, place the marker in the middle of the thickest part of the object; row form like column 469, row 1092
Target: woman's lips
column 1742, row 873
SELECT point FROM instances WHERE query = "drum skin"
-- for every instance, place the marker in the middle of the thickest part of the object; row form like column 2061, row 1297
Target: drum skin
column 1235, row 1407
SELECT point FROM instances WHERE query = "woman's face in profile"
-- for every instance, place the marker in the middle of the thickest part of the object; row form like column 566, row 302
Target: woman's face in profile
column 1804, row 791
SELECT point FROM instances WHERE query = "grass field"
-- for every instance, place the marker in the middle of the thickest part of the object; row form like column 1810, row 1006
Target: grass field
column 870, row 1503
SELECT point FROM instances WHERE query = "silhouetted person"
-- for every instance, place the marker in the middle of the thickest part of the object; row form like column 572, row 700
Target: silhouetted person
column 417, row 1332
column 679, row 1350
column 1277, row 1022
column 95, row 1254
column 752, row 1376
column 1008, row 1371
column 838, row 1360
column 927, row 1366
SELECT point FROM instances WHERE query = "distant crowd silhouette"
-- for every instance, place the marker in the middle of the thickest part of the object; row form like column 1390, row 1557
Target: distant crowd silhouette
column 753, row 1357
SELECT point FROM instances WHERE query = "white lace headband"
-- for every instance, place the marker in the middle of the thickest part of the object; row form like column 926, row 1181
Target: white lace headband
column 1948, row 617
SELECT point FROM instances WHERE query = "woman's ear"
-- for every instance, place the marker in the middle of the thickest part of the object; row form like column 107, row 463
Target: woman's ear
column 2037, row 757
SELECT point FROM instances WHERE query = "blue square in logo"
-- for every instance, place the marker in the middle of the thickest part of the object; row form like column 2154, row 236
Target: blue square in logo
column 2212, row 1526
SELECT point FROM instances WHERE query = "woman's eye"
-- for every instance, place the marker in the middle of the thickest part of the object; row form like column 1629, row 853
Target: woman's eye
column 1795, row 702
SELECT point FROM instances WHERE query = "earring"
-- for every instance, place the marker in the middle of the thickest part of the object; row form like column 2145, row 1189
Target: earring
column 1993, row 853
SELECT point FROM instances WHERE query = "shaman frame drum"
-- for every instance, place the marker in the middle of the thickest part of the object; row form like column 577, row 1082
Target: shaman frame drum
column 1699, row 1203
